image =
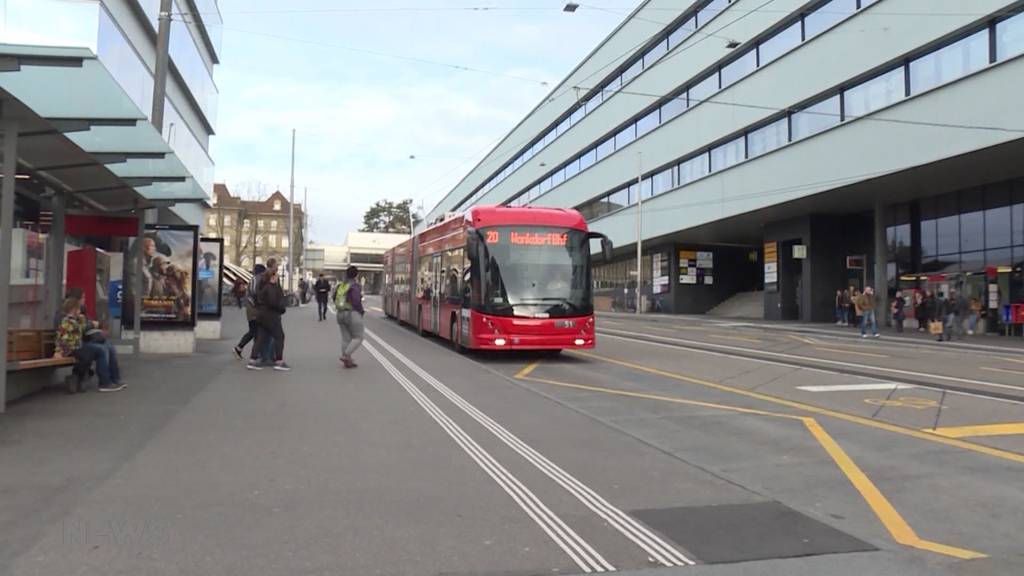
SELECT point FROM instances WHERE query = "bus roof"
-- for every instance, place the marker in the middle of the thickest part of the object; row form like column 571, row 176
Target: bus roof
column 482, row 216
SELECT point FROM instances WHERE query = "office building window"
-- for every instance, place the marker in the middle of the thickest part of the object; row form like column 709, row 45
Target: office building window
column 588, row 159
column 949, row 63
column 227, row 241
column 273, row 241
column 594, row 102
column 779, row 44
column 817, row 118
column 246, row 224
column 663, row 181
column 605, row 149
column 655, row 53
column 679, row 35
column 284, row 241
column 648, row 123
column 1010, row 37
column 227, row 220
column 277, row 205
column 768, row 138
column 738, row 69
column 273, row 224
column 673, row 108
column 876, row 93
column 693, row 169
column 703, row 90
column 714, row 8
column 828, row 16
column 572, row 168
column 632, row 72
column 212, row 220
column 727, row 154
column 618, row 199
column 625, row 137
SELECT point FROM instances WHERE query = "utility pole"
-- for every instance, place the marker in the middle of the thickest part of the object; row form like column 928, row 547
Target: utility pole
column 305, row 224
column 163, row 43
column 291, row 220
column 639, row 226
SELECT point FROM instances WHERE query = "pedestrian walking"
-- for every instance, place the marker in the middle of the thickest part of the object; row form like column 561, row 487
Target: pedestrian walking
column 856, row 314
column 899, row 311
column 262, row 350
column 842, row 304
column 250, row 315
column 271, row 308
column 323, row 294
column 974, row 317
column 866, row 303
column 348, row 301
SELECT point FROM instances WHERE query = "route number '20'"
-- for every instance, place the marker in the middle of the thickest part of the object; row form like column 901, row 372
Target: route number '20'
column 493, row 237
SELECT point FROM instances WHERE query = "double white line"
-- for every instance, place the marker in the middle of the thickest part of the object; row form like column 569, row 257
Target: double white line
column 658, row 549
column 568, row 540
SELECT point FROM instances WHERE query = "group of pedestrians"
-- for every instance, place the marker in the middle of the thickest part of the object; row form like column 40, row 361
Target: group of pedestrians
column 265, row 304
column 264, row 307
column 943, row 315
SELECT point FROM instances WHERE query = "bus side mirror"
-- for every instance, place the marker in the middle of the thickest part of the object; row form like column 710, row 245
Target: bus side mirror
column 606, row 244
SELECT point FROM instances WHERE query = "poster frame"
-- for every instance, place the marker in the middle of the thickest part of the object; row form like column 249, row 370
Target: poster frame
column 219, row 279
column 191, row 322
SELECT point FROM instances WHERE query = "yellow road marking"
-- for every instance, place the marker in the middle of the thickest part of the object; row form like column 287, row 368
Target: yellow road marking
column 802, row 339
column 869, row 354
column 527, row 369
column 890, row 518
column 904, row 402
column 981, row 449
column 1007, row 429
column 1004, row 371
column 739, row 338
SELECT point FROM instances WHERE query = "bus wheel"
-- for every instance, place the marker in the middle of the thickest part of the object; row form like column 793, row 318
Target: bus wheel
column 456, row 338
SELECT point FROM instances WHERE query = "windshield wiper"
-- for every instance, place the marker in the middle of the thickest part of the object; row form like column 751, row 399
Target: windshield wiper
column 560, row 301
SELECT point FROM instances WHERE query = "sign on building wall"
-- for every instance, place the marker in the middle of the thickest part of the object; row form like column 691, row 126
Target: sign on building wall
column 771, row 266
column 661, row 273
column 696, row 267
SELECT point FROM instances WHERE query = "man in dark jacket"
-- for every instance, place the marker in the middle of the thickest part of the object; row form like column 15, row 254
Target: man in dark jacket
column 263, row 351
column 323, row 293
column 250, row 315
column 271, row 308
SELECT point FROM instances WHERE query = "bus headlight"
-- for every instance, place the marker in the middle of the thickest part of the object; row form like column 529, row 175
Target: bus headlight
column 580, row 341
column 499, row 341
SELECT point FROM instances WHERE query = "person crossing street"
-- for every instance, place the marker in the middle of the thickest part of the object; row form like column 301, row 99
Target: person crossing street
column 348, row 301
column 323, row 290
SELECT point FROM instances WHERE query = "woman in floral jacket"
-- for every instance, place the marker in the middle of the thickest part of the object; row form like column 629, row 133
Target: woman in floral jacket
column 72, row 342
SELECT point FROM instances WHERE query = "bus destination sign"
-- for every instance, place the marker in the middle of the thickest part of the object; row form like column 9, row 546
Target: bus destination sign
column 527, row 238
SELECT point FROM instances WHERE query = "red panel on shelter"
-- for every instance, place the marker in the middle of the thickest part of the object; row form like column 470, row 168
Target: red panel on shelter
column 100, row 226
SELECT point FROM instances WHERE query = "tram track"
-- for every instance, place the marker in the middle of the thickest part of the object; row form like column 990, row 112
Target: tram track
column 938, row 382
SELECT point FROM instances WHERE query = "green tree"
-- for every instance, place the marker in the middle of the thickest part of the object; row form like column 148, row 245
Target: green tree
column 388, row 216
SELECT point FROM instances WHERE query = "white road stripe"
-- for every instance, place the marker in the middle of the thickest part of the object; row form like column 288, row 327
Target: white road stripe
column 822, row 360
column 791, row 365
column 568, row 540
column 662, row 552
column 857, row 387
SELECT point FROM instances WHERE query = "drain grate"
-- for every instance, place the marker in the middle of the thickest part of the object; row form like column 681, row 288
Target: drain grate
column 744, row 532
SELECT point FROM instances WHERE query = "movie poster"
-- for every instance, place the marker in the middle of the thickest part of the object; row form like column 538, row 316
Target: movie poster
column 168, row 275
column 208, row 276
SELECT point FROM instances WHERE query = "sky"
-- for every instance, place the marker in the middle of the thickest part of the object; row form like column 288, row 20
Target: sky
column 350, row 77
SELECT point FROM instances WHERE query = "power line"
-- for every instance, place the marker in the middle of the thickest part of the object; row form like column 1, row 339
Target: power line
column 459, row 67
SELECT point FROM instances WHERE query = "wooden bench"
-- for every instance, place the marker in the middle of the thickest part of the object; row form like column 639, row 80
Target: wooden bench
column 32, row 350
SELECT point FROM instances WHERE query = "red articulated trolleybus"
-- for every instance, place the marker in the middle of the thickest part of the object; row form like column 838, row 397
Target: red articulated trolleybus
column 497, row 278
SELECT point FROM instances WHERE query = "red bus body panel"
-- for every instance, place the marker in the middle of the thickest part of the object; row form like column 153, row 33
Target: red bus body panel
column 405, row 301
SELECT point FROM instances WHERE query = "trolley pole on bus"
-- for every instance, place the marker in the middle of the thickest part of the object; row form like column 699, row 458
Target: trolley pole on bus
column 639, row 227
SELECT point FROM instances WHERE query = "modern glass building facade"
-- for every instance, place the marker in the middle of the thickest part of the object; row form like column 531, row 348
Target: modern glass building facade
column 879, row 138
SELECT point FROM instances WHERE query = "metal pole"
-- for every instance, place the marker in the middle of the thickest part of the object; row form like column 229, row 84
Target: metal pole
column 291, row 220
column 163, row 42
column 305, row 228
column 412, row 223
column 10, row 167
column 55, row 260
column 140, row 262
column 639, row 227
column 881, row 265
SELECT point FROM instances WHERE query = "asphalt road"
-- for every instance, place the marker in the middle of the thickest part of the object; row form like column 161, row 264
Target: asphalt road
column 678, row 446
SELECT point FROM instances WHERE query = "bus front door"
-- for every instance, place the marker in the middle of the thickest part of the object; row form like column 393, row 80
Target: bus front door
column 437, row 277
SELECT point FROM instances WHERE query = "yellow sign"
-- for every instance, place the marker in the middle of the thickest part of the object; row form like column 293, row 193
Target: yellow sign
column 687, row 255
column 909, row 402
column 771, row 252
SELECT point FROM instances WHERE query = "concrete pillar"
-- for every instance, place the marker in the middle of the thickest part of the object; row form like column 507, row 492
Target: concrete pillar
column 55, row 261
column 881, row 263
column 9, row 167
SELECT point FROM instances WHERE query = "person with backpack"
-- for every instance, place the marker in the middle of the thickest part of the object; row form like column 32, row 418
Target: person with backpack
column 348, row 302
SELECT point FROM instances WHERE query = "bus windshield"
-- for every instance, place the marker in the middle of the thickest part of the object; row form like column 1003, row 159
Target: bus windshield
column 536, row 272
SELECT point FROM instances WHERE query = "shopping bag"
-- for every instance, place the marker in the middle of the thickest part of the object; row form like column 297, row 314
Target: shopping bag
column 935, row 328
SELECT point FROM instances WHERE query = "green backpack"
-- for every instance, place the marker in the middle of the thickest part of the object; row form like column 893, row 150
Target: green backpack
column 341, row 297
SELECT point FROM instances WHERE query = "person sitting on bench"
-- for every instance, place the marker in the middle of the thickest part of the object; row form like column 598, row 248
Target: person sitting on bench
column 79, row 339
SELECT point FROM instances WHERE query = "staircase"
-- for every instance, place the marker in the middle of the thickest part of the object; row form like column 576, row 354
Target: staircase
column 742, row 305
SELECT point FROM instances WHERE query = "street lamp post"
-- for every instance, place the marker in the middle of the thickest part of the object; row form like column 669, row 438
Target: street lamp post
column 291, row 220
column 639, row 227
